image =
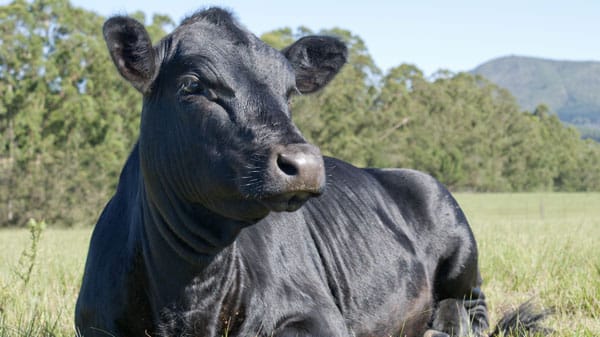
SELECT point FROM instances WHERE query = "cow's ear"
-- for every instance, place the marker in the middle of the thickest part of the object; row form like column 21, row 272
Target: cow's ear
column 316, row 60
column 131, row 50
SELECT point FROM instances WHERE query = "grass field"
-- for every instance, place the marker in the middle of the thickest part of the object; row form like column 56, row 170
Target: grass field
column 542, row 246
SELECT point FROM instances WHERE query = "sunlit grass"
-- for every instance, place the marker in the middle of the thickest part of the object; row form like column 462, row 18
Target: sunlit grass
column 44, row 307
column 545, row 246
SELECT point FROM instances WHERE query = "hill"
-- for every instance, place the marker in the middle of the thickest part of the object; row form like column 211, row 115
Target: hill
column 570, row 88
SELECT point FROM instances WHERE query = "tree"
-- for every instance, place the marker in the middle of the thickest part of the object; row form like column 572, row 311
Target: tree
column 67, row 119
column 462, row 129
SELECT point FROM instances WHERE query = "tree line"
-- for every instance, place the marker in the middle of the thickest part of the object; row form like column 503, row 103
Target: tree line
column 68, row 121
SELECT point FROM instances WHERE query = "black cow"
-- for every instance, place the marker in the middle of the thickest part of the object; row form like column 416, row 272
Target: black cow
column 195, row 241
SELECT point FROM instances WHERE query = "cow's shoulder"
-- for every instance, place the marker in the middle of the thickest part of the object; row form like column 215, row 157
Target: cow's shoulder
column 112, row 257
column 103, row 290
column 444, row 229
column 430, row 209
column 114, row 235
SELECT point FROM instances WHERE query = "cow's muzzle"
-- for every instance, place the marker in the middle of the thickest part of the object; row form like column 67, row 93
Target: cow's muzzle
column 298, row 172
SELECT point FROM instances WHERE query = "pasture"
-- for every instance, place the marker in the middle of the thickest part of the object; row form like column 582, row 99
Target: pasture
column 536, row 245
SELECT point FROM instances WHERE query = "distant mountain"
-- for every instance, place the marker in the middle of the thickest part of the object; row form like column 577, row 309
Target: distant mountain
column 569, row 88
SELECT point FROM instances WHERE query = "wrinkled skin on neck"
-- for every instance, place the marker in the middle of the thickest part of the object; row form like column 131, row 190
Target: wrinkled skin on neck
column 213, row 115
column 217, row 152
column 214, row 152
column 215, row 112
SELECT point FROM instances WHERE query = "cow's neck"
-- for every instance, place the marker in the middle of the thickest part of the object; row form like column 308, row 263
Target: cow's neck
column 181, row 242
column 192, row 231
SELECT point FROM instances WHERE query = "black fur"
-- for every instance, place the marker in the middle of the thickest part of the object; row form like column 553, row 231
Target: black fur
column 131, row 50
column 194, row 241
column 315, row 60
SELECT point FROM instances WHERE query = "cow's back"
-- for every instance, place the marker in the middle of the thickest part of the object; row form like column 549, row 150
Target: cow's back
column 359, row 260
column 357, row 249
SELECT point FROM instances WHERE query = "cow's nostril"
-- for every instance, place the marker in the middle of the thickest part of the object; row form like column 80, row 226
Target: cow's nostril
column 286, row 165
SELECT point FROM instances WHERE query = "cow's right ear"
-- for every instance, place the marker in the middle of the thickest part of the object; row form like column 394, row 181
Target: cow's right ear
column 131, row 50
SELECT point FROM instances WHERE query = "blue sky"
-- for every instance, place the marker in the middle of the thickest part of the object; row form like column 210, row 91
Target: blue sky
column 455, row 35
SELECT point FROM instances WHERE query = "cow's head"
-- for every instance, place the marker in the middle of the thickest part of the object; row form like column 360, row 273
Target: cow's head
column 216, row 126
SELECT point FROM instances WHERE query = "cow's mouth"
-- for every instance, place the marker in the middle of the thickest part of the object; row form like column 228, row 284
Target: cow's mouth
column 287, row 202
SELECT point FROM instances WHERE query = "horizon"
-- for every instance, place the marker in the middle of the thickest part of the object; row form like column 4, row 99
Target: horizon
column 536, row 58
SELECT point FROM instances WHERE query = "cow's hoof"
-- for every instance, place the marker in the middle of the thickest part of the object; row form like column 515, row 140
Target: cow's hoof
column 435, row 333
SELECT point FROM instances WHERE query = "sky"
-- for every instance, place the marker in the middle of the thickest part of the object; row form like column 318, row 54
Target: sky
column 432, row 34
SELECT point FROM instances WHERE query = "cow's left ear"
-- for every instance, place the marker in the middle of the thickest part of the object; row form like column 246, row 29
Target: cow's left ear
column 316, row 60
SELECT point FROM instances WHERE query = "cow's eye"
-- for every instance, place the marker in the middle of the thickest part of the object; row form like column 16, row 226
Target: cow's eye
column 191, row 85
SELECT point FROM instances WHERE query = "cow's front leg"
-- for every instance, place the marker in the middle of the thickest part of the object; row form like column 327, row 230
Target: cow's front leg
column 476, row 308
column 450, row 319
column 435, row 333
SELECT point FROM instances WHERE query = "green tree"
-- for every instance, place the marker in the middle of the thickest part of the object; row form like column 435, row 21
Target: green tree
column 462, row 129
column 67, row 119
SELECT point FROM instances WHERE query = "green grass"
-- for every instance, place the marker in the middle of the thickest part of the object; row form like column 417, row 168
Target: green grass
column 545, row 246
column 44, row 307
